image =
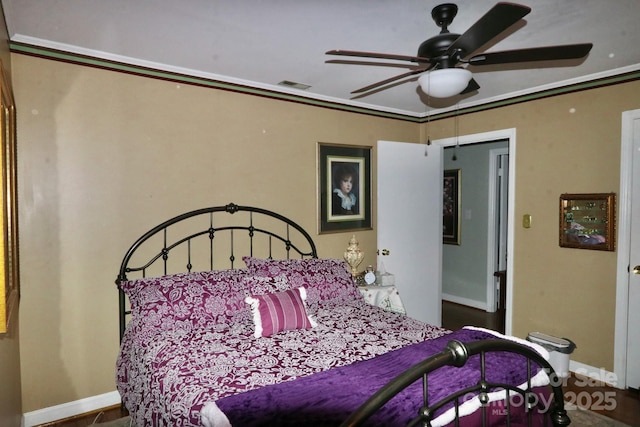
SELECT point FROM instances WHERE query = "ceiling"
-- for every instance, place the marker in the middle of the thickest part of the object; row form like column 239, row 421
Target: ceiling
column 259, row 43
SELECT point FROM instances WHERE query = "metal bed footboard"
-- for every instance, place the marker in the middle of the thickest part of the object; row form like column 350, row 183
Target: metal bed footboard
column 282, row 232
column 456, row 354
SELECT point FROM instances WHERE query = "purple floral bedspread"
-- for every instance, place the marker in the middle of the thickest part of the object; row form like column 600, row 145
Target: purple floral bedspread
column 190, row 341
column 327, row 398
column 168, row 373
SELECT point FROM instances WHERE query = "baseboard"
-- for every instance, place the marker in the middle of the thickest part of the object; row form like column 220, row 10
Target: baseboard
column 599, row 374
column 481, row 305
column 70, row 409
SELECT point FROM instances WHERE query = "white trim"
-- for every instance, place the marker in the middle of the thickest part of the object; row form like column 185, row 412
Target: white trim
column 599, row 374
column 78, row 50
column 481, row 305
column 510, row 135
column 70, row 409
column 624, row 247
column 491, row 228
column 542, row 88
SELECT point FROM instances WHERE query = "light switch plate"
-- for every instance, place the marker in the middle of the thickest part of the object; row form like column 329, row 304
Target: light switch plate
column 526, row 221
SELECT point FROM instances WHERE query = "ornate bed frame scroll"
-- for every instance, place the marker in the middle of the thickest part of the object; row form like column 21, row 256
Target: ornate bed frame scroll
column 282, row 231
column 457, row 354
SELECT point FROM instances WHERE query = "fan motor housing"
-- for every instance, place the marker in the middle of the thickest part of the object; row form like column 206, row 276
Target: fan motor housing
column 436, row 46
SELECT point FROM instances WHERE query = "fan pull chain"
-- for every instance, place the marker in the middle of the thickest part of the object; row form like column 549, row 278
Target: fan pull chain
column 457, row 131
column 426, row 148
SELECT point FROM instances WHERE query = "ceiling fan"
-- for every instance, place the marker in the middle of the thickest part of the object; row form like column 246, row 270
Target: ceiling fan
column 439, row 56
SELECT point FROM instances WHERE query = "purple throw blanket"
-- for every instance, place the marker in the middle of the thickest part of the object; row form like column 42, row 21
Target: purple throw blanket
column 327, row 398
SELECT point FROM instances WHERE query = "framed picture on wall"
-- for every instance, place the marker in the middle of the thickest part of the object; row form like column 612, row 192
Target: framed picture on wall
column 10, row 276
column 451, row 207
column 588, row 221
column 344, row 188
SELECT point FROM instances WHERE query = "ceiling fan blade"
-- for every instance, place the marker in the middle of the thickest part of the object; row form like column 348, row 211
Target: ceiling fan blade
column 377, row 55
column 495, row 21
column 379, row 64
column 472, row 86
column 549, row 53
column 392, row 79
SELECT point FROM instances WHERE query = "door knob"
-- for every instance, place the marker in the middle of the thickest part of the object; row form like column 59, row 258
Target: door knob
column 384, row 252
column 636, row 269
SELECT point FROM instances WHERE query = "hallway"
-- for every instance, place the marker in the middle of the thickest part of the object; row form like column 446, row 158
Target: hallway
column 455, row 316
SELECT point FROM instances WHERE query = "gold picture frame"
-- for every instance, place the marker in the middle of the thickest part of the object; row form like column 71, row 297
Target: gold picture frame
column 588, row 221
column 9, row 265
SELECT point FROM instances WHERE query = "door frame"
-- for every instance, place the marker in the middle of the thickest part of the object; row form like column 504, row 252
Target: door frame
column 510, row 135
column 624, row 246
column 492, row 227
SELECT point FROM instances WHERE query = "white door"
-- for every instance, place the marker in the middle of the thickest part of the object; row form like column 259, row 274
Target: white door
column 410, row 224
column 633, row 331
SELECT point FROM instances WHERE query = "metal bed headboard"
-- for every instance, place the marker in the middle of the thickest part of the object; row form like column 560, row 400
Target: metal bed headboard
column 291, row 236
column 457, row 354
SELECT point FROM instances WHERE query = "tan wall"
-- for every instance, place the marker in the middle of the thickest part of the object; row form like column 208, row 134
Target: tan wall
column 560, row 291
column 104, row 156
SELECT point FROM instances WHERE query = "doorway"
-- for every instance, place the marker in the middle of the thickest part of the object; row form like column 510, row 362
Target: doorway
column 509, row 136
column 482, row 172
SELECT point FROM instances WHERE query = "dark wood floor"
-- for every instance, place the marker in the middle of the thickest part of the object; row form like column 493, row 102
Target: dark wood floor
column 84, row 420
column 455, row 316
column 620, row 405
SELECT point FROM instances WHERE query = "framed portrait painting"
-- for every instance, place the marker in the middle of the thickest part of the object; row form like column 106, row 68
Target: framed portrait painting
column 344, row 188
column 451, row 207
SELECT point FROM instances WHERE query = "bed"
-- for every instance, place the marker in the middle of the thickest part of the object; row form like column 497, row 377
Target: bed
column 229, row 318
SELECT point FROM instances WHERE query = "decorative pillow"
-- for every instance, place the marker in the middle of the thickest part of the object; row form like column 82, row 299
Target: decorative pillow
column 280, row 311
column 324, row 279
column 201, row 297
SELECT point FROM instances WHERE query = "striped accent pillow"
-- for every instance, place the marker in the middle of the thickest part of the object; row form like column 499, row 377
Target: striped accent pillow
column 279, row 311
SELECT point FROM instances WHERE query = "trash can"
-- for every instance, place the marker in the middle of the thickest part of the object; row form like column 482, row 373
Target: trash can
column 559, row 350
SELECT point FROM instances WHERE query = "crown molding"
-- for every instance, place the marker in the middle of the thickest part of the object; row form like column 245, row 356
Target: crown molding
column 88, row 57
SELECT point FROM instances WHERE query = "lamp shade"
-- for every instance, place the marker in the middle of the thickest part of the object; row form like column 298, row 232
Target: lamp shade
column 445, row 82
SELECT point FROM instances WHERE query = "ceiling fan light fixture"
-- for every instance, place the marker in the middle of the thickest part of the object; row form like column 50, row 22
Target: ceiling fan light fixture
column 445, row 82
